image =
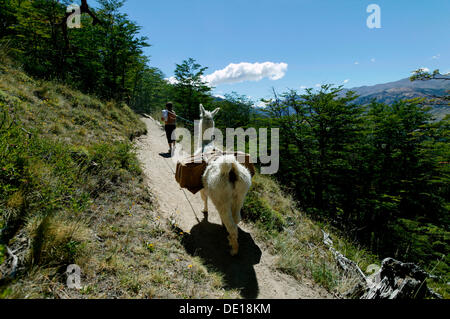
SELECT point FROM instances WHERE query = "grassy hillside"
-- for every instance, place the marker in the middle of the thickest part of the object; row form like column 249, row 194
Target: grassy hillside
column 72, row 192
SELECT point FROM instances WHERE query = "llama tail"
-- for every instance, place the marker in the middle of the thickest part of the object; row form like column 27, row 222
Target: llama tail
column 228, row 167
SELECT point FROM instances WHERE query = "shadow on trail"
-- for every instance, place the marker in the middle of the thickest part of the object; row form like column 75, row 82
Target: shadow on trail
column 165, row 155
column 209, row 241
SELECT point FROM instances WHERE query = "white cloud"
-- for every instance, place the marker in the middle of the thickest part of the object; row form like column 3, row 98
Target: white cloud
column 346, row 81
column 219, row 96
column 235, row 73
column 356, row 62
column 171, row 80
column 302, row 87
column 372, row 60
column 437, row 56
column 317, row 85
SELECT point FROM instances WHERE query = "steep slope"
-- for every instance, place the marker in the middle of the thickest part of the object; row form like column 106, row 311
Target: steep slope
column 72, row 192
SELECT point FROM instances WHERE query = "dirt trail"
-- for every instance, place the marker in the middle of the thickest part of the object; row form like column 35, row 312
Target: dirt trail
column 253, row 269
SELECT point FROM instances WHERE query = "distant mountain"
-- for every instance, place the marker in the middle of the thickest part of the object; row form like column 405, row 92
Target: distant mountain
column 405, row 89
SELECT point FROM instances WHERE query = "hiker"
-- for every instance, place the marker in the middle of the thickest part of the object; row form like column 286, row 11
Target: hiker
column 170, row 120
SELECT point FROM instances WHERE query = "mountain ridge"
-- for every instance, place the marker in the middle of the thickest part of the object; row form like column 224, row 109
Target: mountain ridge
column 405, row 89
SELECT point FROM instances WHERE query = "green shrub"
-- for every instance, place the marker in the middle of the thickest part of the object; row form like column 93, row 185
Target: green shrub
column 419, row 241
column 257, row 209
column 2, row 253
column 43, row 93
column 115, row 156
column 324, row 275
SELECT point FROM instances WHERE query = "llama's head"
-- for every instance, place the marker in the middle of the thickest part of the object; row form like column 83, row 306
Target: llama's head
column 207, row 117
column 206, row 123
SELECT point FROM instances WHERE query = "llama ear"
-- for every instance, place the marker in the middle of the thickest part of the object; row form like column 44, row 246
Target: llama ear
column 215, row 112
column 202, row 110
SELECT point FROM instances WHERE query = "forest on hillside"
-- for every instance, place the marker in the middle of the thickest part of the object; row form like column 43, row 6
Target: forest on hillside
column 377, row 172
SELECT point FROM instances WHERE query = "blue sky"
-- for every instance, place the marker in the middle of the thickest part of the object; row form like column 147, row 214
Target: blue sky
column 319, row 41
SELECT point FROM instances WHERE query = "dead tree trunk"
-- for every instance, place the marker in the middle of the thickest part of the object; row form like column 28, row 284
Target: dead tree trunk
column 394, row 280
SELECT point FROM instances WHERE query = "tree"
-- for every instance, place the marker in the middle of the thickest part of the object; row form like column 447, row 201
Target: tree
column 423, row 75
column 102, row 59
column 235, row 111
column 151, row 92
column 190, row 89
column 375, row 171
column 319, row 131
column 107, row 57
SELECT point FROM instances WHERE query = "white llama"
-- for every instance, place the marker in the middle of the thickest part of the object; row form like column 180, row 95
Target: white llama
column 225, row 181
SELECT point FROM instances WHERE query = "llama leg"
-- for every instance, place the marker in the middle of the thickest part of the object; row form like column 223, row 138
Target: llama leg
column 204, row 195
column 236, row 210
column 232, row 229
column 205, row 200
column 237, row 216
